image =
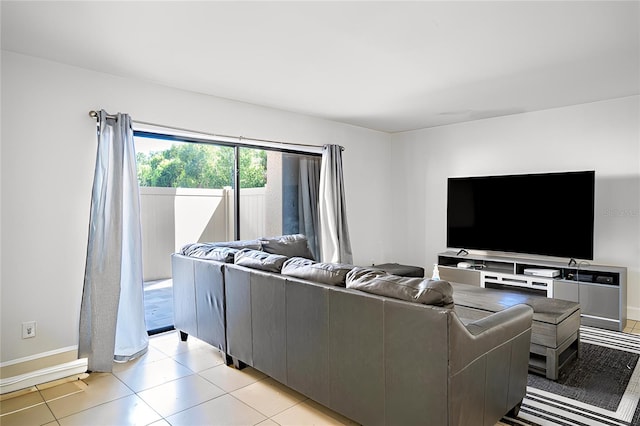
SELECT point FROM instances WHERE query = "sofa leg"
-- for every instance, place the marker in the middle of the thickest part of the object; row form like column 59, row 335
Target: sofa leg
column 239, row 365
column 228, row 359
column 513, row 413
column 183, row 336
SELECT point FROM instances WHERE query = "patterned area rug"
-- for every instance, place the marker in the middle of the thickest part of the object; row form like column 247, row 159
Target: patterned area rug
column 601, row 387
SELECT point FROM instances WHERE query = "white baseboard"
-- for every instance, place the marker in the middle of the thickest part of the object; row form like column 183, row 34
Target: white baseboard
column 633, row 313
column 49, row 374
column 38, row 356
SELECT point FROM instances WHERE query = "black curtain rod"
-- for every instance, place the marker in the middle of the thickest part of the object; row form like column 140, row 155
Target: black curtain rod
column 94, row 114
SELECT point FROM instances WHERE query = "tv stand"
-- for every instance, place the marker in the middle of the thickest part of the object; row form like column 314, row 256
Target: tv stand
column 600, row 290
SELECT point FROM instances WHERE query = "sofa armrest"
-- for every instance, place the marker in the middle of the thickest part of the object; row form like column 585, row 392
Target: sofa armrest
column 481, row 336
column 488, row 362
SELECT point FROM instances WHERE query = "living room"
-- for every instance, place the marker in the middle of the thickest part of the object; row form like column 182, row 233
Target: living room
column 395, row 174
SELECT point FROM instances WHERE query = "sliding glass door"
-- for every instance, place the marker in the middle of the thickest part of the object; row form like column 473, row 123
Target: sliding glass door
column 188, row 195
column 185, row 197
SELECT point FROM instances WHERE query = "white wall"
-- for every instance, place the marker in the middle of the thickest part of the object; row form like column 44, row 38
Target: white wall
column 396, row 198
column 48, row 156
column 602, row 136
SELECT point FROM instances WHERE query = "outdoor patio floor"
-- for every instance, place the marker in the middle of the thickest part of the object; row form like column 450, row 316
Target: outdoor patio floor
column 158, row 305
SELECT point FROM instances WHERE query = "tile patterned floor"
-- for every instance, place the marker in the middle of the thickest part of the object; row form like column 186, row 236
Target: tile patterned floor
column 632, row 327
column 175, row 383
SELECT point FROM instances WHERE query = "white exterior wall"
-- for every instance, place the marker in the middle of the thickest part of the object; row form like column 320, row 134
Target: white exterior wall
column 173, row 217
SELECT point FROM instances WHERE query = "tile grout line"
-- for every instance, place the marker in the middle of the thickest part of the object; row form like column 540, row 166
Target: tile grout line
column 195, row 373
column 173, row 356
column 23, row 408
column 88, row 408
column 44, row 400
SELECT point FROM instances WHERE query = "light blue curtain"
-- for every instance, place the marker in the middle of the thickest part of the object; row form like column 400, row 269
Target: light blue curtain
column 112, row 325
column 335, row 245
column 308, row 189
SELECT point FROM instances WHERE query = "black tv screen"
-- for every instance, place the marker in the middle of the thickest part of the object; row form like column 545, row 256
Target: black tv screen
column 549, row 214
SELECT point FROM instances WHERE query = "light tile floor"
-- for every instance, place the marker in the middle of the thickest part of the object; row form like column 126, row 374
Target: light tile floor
column 632, row 327
column 174, row 383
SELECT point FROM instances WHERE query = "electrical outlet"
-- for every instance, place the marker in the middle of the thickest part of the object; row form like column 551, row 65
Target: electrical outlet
column 28, row 329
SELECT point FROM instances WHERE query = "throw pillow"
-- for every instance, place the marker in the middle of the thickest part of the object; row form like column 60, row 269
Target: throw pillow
column 326, row 273
column 240, row 244
column 261, row 260
column 425, row 291
column 221, row 254
column 295, row 245
column 198, row 249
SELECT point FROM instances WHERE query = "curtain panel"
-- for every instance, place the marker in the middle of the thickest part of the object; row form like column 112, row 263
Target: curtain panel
column 112, row 324
column 308, row 190
column 335, row 244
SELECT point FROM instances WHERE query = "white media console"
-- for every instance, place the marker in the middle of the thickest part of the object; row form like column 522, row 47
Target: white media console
column 538, row 285
column 600, row 290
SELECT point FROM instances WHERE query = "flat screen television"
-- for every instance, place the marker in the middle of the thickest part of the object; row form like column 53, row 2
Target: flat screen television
column 550, row 214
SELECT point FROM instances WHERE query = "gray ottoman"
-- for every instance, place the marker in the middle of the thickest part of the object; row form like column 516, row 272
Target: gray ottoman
column 555, row 333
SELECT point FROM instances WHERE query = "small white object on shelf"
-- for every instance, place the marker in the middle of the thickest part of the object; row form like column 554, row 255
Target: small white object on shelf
column 542, row 272
column 436, row 272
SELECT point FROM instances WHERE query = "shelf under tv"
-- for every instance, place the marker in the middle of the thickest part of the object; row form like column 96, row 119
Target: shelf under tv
column 600, row 290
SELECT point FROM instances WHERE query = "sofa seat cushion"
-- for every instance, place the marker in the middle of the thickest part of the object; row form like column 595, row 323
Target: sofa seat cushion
column 425, row 291
column 256, row 259
column 295, row 245
column 307, row 269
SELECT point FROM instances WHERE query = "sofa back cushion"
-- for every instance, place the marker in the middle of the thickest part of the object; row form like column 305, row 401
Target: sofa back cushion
column 307, row 269
column 223, row 251
column 261, row 260
column 221, row 254
column 295, row 245
column 241, row 244
column 425, row 291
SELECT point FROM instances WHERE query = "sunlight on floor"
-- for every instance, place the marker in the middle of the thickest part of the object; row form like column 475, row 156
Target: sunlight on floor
column 157, row 285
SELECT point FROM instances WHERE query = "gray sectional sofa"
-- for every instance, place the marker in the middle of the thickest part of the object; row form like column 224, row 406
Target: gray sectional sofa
column 360, row 350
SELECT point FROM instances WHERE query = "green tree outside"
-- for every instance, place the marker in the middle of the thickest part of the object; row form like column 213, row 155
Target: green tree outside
column 191, row 165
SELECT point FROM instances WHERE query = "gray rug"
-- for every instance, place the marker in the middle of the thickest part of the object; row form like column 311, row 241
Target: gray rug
column 598, row 377
column 590, row 389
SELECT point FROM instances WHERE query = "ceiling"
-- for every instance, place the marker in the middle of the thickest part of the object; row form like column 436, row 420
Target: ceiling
column 389, row 66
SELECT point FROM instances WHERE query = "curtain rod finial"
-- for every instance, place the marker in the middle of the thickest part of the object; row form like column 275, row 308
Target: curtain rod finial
column 93, row 114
